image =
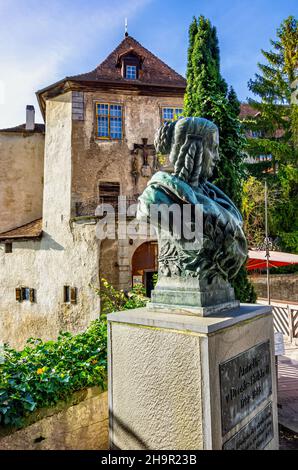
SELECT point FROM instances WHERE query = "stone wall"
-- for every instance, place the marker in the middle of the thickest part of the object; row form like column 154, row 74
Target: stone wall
column 81, row 423
column 21, row 178
column 97, row 160
column 282, row 287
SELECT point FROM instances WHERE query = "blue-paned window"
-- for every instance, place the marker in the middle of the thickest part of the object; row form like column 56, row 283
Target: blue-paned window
column 109, row 121
column 131, row 72
column 256, row 134
column 171, row 114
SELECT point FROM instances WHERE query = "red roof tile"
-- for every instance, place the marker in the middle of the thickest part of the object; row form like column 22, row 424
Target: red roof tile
column 22, row 128
column 153, row 71
column 247, row 111
column 31, row 230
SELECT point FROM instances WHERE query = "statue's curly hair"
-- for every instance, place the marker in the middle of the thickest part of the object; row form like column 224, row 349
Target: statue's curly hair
column 163, row 138
column 184, row 141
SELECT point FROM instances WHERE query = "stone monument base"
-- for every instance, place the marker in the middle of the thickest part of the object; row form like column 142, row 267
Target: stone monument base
column 193, row 296
column 184, row 382
column 187, row 310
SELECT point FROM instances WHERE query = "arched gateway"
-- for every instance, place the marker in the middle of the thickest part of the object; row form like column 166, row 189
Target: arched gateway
column 144, row 265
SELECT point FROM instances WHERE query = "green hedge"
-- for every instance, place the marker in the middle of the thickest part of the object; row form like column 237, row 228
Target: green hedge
column 44, row 373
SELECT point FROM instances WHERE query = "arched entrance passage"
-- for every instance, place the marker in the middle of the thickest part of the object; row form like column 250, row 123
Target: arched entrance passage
column 144, row 265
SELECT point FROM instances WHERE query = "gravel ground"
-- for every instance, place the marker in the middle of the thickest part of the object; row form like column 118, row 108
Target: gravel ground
column 288, row 440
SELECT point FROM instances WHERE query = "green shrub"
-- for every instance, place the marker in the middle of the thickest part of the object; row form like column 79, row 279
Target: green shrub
column 45, row 372
column 113, row 300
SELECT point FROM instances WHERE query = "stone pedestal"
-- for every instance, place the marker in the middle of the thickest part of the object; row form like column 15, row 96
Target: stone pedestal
column 183, row 382
column 192, row 296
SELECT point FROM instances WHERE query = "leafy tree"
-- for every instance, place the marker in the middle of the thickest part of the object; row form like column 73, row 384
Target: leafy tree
column 284, row 214
column 276, row 125
column 274, row 88
column 208, row 95
column 253, row 210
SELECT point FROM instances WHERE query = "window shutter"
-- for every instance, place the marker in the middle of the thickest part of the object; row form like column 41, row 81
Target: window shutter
column 65, row 293
column 8, row 247
column 18, row 294
column 73, row 295
column 32, row 295
column 109, row 193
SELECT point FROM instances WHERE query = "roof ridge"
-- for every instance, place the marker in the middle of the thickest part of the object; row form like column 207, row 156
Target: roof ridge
column 147, row 50
column 22, row 127
column 98, row 65
column 114, row 51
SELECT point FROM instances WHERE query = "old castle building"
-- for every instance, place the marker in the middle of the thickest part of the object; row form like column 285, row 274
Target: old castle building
column 97, row 144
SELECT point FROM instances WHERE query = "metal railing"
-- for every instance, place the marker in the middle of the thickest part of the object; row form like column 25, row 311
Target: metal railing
column 87, row 208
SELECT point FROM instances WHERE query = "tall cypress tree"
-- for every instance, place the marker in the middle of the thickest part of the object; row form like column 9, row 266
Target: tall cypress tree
column 193, row 29
column 208, row 95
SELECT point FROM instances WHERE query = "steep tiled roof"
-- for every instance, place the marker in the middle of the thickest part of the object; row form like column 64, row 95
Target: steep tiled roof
column 153, row 72
column 31, row 230
column 247, row 111
column 22, row 128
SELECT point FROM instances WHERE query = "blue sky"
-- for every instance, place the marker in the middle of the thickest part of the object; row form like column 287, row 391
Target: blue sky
column 42, row 41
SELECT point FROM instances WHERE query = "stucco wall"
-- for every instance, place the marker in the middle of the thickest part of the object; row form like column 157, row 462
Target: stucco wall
column 67, row 254
column 47, row 266
column 82, row 425
column 282, row 287
column 21, row 178
column 58, row 165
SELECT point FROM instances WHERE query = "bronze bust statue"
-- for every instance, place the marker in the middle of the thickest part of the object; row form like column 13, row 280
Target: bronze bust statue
column 193, row 274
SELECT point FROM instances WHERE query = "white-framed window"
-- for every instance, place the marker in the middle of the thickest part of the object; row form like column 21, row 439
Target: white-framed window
column 108, row 121
column 171, row 114
column 131, row 72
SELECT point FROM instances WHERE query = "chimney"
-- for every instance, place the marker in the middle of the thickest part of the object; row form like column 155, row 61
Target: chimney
column 30, row 117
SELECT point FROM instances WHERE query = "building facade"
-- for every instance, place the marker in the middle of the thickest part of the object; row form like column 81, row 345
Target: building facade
column 98, row 145
column 21, row 174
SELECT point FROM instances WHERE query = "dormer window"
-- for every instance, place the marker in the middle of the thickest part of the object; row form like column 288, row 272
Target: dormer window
column 131, row 72
column 131, row 64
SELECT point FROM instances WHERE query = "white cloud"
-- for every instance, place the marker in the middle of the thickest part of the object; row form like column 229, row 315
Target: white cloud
column 41, row 42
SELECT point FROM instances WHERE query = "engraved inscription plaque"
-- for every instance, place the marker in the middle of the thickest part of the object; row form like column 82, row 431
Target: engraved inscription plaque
column 255, row 435
column 245, row 382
